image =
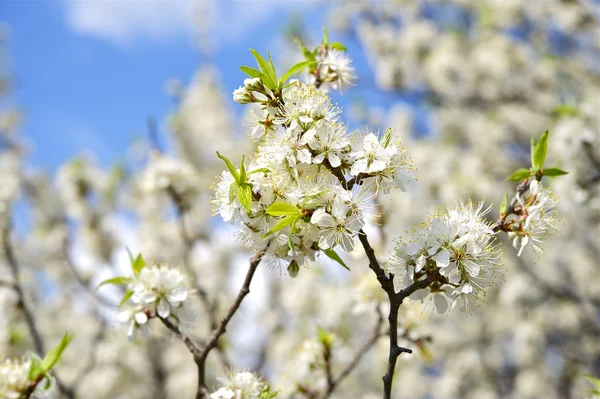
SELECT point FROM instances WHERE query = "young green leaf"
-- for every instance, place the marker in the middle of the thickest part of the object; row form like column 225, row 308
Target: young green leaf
column 282, row 209
column 245, row 196
column 308, row 55
column 52, row 357
column 269, row 77
column 387, row 137
column 333, row 255
column 272, row 66
column 538, row 153
column 125, row 298
column 293, row 70
column 338, row 46
column 138, row 264
column 233, row 191
column 553, row 172
column 504, row 204
column 325, row 37
column 114, row 281
column 259, row 170
column 243, row 170
column 253, row 73
column 283, row 223
column 520, row 175
column 291, row 242
column 230, row 166
column 35, row 369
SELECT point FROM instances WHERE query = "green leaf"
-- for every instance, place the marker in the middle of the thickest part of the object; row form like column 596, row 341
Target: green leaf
column 504, row 204
column 565, row 110
column 269, row 78
column 245, row 196
column 338, row 46
column 230, row 166
column 138, row 264
column 295, row 69
column 308, row 55
column 36, row 366
column 387, row 137
column 325, row 36
column 552, row 172
column 243, row 170
column 291, row 242
column 538, row 154
column 282, row 223
column 259, row 170
column 272, row 65
column 282, row 209
column 233, row 191
column 125, row 298
column 52, row 357
column 115, row 281
column 325, row 337
column 520, row 175
column 333, row 255
column 253, row 73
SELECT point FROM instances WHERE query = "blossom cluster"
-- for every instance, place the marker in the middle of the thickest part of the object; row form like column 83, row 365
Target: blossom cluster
column 242, row 385
column 533, row 217
column 14, row 377
column 155, row 291
column 311, row 184
column 458, row 247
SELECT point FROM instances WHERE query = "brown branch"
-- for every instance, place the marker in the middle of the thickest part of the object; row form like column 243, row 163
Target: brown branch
column 201, row 354
column 333, row 383
column 22, row 304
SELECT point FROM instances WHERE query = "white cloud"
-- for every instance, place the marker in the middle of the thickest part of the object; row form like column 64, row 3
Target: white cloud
column 122, row 21
column 208, row 22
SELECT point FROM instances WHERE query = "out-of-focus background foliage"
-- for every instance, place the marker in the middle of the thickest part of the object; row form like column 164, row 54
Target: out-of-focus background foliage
column 90, row 87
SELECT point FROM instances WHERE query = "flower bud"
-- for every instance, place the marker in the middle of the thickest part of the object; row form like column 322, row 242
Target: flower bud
column 293, row 268
column 253, row 84
column 242, row 96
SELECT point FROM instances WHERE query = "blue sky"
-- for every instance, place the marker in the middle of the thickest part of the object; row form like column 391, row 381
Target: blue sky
column 89, row 73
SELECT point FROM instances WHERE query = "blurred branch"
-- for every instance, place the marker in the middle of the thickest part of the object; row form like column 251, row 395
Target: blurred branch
column 333, row 383
column 22, row 303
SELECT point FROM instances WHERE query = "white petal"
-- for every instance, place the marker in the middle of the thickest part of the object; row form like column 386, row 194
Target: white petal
column 163, row 309
column 442, row 259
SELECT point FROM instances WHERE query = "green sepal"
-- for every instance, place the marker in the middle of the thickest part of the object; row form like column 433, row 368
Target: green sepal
column 291, row 242
column 259, row 170
column 230, row 166
column 520, row 174
column 333, row 255
column 387, row 137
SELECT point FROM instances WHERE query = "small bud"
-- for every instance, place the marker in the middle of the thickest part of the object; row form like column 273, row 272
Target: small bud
column 253, row 84
column 242, row 96
column 293, row 269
